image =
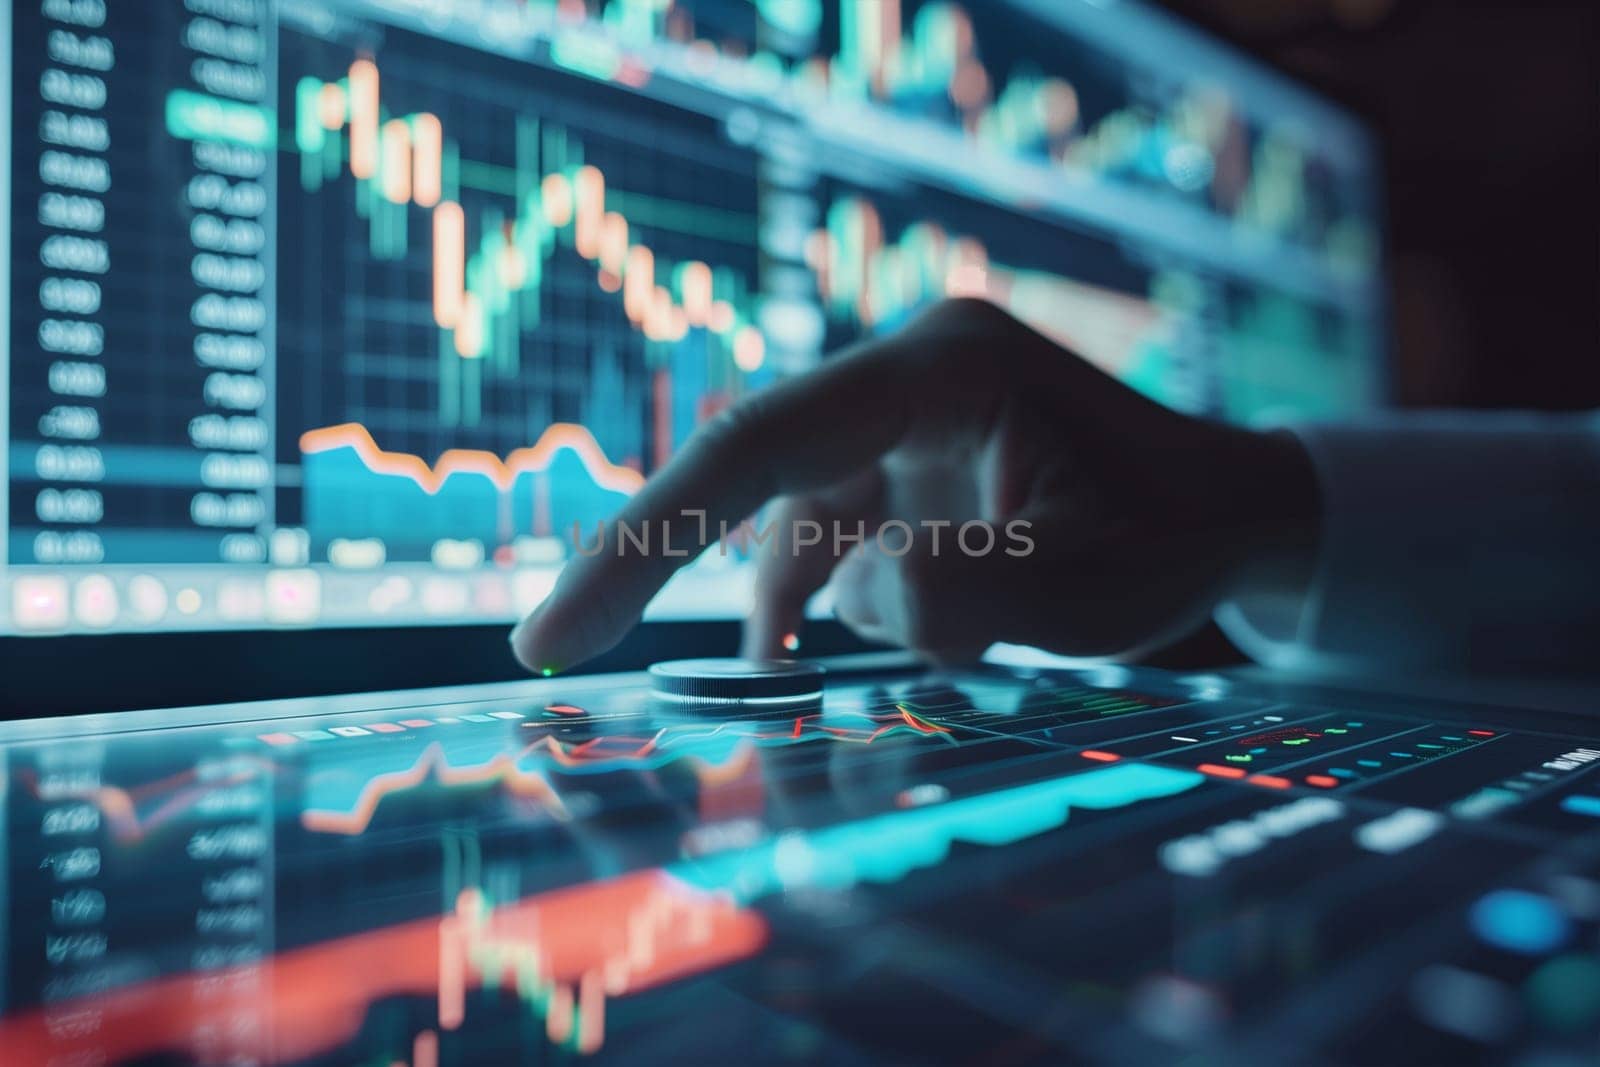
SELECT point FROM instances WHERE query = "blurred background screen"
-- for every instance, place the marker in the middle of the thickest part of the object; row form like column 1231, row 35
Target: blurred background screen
column 344, row 313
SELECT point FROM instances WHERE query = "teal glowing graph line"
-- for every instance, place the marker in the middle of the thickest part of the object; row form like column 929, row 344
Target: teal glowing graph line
column 886, row 848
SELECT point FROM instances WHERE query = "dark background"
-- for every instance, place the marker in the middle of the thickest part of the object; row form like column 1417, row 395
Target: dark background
column 1489, row 116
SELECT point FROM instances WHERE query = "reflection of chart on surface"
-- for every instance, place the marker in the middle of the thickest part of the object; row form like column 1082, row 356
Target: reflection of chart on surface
column 347, row 801
column 578, row 331
column 563, row 953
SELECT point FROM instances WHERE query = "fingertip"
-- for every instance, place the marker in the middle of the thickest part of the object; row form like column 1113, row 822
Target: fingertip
column 542, row 646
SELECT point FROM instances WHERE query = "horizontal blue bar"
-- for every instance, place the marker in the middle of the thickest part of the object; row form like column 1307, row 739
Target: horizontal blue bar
column 1582, row 805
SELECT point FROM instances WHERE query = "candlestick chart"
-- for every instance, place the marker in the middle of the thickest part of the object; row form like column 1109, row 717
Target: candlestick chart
column 441, row 280
column 592, row 265
column 1190, row 341
column 1020, row 94
column 503, row 289
column 480, row 299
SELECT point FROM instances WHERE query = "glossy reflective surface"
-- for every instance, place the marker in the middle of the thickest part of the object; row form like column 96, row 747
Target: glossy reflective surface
column 976, row 867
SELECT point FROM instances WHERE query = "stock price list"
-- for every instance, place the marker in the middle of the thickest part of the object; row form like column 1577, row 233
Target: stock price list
column 141, row 282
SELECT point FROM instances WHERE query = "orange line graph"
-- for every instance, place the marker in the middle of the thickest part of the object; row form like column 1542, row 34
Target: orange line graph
column 921, row 725
column 607, row 751
column 620, row 747
column 502, row 769
column 614, row 747
column 900, row 722
column 502, row 472
column 120, row 806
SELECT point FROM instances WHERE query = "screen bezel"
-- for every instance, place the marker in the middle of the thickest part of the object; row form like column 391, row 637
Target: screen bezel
column 77, row 673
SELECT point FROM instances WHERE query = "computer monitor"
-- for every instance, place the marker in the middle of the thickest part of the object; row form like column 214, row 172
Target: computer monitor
column 344, row 312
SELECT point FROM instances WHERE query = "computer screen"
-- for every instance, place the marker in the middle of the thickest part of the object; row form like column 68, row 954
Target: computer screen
column 344, row 312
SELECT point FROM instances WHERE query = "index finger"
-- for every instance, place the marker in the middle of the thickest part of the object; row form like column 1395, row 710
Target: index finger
column 796, row 435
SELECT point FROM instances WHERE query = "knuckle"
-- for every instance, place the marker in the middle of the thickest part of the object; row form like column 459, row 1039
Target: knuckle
column 976, row 317
column 966, row 335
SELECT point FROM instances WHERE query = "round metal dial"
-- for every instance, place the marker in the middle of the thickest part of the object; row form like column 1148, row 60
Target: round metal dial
column 736, row 681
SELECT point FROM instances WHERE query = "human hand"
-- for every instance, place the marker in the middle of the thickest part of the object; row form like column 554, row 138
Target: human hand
column 1107, row 523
